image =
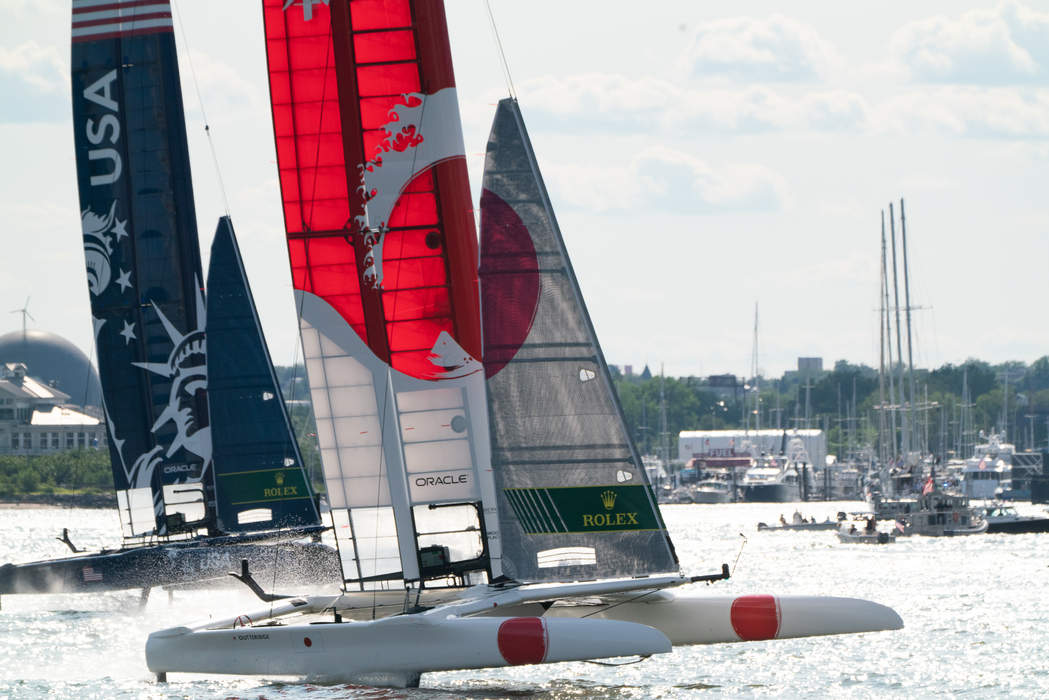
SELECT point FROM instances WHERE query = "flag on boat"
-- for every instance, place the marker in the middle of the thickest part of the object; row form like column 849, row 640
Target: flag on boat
column 90, row 574
column 929, row 486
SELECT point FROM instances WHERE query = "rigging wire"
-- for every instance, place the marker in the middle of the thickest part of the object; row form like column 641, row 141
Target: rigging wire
column 502, row 55
column 203, row 113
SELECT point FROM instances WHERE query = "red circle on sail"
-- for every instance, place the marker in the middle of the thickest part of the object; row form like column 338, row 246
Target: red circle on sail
column 755, row 617
column 509, row 282
column 522, row 640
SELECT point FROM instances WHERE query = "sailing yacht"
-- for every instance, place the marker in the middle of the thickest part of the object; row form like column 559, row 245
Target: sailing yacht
column 205, row 464
column 491, row 507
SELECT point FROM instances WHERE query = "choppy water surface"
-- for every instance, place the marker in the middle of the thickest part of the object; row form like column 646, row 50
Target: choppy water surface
column 976, row 611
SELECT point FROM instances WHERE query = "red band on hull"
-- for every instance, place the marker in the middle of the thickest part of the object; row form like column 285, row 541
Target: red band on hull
column 755, row 617
column 522, row 640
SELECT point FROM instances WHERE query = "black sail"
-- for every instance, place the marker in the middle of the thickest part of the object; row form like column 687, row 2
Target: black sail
column 574, row 499
column 143, row 262
column 260, row 482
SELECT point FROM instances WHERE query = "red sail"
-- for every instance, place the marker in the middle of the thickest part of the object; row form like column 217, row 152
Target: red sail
column 373, row 174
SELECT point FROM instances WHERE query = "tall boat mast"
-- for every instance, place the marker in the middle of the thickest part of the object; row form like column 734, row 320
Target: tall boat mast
column 905, row 437
column 143, row 262
column 907, row 301
column 887, row 319
column 882, row 423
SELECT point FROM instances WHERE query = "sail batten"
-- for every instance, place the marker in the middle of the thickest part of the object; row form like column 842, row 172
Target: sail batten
column 566, row 471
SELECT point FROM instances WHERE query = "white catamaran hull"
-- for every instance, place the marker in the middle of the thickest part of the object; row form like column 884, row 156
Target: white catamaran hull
column 396, row 650
column 715, row 620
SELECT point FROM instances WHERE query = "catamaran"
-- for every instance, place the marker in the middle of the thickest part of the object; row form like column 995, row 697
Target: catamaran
column 205, row 464
column 490, row 506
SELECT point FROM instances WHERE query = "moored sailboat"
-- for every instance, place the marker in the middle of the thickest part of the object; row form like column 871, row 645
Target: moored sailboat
column 498, row 512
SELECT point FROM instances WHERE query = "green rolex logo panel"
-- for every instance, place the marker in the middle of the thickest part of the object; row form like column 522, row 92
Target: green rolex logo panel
column 583, row 509
column 264, row 486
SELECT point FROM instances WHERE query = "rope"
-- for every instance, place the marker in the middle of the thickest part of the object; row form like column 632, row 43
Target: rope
column 502, row 55
column 203, row 113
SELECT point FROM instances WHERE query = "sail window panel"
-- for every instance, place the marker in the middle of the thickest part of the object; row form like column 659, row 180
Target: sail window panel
column 364, row 491
column 423, row 426
column 273, row 11
column 325, row 432
column 331, row 250
column 414, row 273
column 379, row 14
column 417, row 304
column 312, row 85
column 361, row 461
column 333, row 279
column 136, row 511
column 352, row 400
column 415, row 209
column 462, row 546
column 437, row 456
column 346, row 371
column 356, row 431
column 327, row 181
column 311, row 347
column 423, row 242
column 416, row 335
column 429, row 399
column 316, row 214
column 387, row 79
column 566, row 556
column 321, row 409
column 383, row 47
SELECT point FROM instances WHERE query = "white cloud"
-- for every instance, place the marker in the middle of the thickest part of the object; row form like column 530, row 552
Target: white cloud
column 969, row 112
column 668, row 181
column 765, row 50
column 35, row 65
column 1006, row 45
column 609, row 101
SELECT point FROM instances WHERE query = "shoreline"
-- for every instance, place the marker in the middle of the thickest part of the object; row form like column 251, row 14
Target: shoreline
column 60, row 500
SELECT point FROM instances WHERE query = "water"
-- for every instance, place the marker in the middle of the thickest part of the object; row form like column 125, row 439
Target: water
column 976, row 610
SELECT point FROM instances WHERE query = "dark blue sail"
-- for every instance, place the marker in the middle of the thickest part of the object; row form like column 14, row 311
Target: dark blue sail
column 260, row 482
column 143, row 262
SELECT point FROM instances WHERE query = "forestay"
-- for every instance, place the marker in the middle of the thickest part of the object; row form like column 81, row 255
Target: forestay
column 143, row 262
column 574, row 500
column 260, row 480
column 383, row 255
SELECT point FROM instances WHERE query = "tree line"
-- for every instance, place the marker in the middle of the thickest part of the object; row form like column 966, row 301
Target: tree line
column 844, row 402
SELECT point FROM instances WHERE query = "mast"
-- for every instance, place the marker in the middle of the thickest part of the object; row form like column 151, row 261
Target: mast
column 907, row 302
column 882, row 423
column 905, row 437
column 887, row 319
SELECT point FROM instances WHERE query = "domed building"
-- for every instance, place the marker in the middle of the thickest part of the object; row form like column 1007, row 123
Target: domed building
column 54, row 361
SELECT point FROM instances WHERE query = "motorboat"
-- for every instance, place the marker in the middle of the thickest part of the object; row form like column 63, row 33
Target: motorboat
column 1004, row 518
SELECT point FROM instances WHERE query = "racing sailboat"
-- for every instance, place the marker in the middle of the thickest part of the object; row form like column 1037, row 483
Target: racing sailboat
column 203, row 474
column 490, row 513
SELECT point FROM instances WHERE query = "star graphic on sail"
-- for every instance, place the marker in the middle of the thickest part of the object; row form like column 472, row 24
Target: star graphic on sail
column 307, row 7
column 128, row 333
column 124, row 279
column 120, row 229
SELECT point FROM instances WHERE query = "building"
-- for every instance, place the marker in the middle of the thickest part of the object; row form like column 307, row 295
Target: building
column 36, row 419
column 739, row 442
column 56, row 362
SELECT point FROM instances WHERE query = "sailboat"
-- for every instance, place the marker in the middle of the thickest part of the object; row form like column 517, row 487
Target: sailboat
column 491, row 512
column 205, row 464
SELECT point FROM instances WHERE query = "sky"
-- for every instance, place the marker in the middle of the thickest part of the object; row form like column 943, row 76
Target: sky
column 702, row 159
